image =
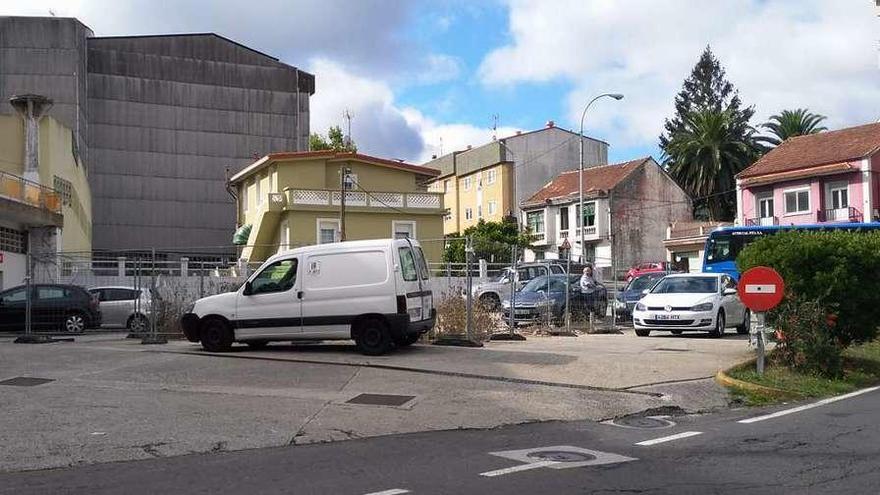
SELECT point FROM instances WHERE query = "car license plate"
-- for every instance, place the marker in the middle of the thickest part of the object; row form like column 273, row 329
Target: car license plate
column 522, row 312
column 666, row 317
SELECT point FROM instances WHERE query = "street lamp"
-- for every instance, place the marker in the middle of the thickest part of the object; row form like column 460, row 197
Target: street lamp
column 580, row 208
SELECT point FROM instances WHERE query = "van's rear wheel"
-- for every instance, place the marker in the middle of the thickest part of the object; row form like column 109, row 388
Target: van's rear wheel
column 373, row 337
column 216, row 336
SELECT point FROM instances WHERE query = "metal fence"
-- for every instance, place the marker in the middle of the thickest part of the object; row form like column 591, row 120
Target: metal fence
column 487, row 291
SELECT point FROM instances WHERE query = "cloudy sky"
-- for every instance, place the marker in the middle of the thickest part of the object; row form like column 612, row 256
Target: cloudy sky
column 417, row 75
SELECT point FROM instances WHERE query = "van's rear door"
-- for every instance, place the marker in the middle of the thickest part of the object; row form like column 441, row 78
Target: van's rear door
column 416, row 280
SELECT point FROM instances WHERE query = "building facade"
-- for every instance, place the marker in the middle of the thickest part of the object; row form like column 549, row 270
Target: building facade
column 294, row 199
column 827, row 177
column 158, row 121
column 490, row 181
column 626, row 210
column 686, row 241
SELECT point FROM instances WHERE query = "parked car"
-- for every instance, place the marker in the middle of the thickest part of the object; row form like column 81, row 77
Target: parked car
column 376, row 292
column 544, row 298
column 632, row 292
column 123, row 307
column 652, row 267
column 493, row 292
column 66, row 308
column 691, row 302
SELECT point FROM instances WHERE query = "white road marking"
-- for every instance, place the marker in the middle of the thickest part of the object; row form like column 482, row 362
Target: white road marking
column 393, row 491
column 521, row 467
column 760, row 289
column 808, row 406
column 670, row 438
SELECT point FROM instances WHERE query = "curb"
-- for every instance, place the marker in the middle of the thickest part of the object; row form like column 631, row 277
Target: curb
column 726, row 380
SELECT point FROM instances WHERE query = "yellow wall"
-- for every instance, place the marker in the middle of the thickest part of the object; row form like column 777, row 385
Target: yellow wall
column 56, row 159
column 458, row 199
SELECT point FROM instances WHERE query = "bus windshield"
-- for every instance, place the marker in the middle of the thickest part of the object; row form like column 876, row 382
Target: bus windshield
column 725, row 246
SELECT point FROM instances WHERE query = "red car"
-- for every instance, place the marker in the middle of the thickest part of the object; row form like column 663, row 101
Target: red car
column 651, row 267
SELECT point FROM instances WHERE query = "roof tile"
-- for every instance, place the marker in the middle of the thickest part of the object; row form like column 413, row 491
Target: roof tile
column 597, row 180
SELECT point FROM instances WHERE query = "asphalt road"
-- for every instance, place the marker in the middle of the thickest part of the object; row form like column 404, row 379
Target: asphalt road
column 832, row 448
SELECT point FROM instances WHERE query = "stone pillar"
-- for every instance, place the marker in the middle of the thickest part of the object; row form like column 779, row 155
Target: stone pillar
column 31, row 108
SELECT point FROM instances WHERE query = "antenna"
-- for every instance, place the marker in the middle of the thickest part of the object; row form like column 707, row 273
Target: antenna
column 495, row 119
column 440, row 151
column 347, row 116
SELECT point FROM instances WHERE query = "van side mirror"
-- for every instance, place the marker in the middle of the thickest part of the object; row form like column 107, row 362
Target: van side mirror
column 248, row 289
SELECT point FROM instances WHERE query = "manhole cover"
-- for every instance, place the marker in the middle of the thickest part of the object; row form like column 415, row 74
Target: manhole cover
column 381, row 399
column 25, row 381
column 645, row 422
column 560, row 456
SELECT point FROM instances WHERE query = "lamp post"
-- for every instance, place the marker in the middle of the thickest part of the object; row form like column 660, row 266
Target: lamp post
column 580, row 208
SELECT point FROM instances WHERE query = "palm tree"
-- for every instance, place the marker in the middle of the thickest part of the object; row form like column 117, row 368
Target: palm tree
column 706, row 154
column 791, row 123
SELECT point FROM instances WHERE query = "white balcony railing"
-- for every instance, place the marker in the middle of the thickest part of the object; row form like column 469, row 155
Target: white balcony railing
column 318, row 197
column 588, row 231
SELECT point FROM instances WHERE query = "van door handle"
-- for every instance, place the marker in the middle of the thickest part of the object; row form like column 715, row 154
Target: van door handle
column 299, row 294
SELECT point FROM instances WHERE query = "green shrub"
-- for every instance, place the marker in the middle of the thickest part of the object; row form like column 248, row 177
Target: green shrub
column 805, row 339
column 838, row 270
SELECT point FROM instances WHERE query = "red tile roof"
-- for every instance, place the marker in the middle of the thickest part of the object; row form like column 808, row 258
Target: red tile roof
column 597, row 181
column 818, row 149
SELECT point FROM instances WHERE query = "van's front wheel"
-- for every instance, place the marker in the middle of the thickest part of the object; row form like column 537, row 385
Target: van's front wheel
column 216, row 336
column 373, row 337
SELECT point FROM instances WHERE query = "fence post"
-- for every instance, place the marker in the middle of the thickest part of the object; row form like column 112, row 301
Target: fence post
column 613, row 294
column 153, row 336
column 202, row 279
column 484, row 269
column 184, row 267
column 469, row 253
column 29, row 337
column 120, row 266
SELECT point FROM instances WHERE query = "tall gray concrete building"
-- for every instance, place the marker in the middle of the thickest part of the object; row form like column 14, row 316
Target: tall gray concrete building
column 159, row 120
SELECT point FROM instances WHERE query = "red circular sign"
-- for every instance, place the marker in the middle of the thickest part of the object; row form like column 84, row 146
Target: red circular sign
column 761, row 288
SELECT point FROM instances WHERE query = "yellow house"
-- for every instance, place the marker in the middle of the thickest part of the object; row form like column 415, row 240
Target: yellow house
column 477, row 184
column 293, row 199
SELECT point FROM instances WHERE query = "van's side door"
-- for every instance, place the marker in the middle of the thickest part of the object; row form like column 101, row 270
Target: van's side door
column 268, row 306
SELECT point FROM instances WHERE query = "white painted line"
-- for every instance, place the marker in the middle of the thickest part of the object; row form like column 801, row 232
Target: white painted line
column 670, row 438
column 393, row 491
column 822, row 402
column 760, row 289
column 516, row 469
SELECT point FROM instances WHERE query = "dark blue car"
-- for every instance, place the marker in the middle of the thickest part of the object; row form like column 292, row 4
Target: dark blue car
column 632, row 292
column 544, row 298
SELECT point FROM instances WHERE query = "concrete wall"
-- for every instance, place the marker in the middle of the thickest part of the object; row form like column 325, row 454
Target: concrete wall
column 47, row 56
column 542, row 155
column 642, row 208
column 169, row 115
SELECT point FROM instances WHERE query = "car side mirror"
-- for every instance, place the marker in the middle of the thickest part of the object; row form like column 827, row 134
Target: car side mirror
column 248, row 289
column 729, row 292
column 646, row 292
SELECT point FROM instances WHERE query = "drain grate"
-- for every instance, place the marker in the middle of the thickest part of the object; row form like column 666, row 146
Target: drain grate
column 560, row 456
column 646, row 422
column 25, row 381
column 381, row 399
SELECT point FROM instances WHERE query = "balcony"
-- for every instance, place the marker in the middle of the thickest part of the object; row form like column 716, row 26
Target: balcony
column 762, row 221
column 29, row 202
column 848, row 214
column 380, row 200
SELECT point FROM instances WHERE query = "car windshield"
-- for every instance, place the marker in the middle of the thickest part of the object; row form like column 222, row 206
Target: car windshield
column 557, row 284
column 642, row 283
column 686, row 285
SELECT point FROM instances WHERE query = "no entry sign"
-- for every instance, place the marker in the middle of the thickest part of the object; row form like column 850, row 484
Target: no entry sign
column 761, row 288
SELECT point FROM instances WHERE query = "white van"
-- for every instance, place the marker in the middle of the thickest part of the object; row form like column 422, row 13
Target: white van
column 375, row 292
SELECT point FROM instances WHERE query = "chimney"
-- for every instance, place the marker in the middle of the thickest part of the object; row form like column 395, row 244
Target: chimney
column 468, row 146
column 32, row 108
column 518, row 133
column 550, row 124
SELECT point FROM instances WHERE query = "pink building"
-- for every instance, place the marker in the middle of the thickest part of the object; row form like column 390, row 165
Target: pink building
column 826, row 177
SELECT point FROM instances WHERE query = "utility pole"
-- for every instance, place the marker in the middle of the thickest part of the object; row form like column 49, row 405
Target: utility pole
column 347, row 140
column 343, row 181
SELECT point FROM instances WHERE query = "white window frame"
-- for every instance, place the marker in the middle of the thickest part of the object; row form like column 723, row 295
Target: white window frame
column 759, row 198
column 796, row 190
column 446, row 183
column 244, row 196
column 284, row 236
column 395, row 223
column 258, row 191
column 466, row 183
column 273, row 172
column 352, row 185
column 468, row 214
column 336, row 231
column 833, row 187
column 491, row 176
column 492, row 207
column 479, row 211
column 543, row 223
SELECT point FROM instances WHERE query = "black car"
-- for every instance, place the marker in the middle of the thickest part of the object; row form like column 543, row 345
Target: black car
column 65, row 308
column 543, row 297
column 632, row 292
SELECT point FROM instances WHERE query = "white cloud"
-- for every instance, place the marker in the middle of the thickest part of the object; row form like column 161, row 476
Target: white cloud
column 445, row 138
column 437, row 67
column 779, row 53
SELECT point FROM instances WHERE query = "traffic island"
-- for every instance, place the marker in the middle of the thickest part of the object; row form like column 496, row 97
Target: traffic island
column 508, row 336
column 457, row 341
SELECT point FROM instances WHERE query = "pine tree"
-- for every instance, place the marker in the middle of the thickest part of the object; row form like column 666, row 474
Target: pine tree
column 707, row 88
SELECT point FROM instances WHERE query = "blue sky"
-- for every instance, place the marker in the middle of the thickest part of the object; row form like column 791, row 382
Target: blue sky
column 413, row 72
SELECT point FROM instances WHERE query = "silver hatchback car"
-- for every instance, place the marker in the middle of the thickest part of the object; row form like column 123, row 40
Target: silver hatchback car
column 123, row 307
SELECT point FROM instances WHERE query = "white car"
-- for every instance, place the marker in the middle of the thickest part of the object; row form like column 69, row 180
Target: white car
column 691, row 302
column 377, row 293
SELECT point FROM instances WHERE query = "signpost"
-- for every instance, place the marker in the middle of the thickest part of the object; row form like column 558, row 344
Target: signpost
column 760, row 289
